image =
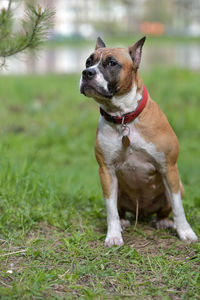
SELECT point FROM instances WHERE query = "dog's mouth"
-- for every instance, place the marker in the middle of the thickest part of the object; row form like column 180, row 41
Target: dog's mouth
column 91, row 89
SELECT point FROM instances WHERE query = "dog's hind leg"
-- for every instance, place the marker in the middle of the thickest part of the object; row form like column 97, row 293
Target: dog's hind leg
column 163, row 221
column 173, row 190
column 165, row 224
column 125, row 223
column 122, row 212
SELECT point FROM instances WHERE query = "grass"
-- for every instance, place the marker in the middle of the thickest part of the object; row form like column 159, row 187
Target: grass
column 52, row 213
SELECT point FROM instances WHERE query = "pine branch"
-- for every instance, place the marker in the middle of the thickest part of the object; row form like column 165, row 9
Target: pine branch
column 6, row 22
column 34, row 31
column 9, row 5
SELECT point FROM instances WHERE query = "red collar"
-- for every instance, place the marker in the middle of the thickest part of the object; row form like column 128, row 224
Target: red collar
column 127, row 118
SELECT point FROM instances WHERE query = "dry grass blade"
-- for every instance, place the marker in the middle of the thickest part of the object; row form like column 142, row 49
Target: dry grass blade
column 13, row 253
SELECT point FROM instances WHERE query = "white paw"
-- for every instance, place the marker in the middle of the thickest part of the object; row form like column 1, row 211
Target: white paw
column 125, row 223
column 187, row 235
column 112, row 240
column 164, row 224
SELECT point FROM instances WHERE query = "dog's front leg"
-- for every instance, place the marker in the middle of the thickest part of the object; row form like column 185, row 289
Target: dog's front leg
column 172, row 186
column 110, row 187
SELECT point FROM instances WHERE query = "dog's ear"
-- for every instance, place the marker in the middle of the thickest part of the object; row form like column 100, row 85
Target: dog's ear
column 135, row 52
column 100, row 44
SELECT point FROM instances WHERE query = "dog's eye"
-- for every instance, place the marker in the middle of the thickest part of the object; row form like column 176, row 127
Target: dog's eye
column 112, row 63
column 88, row 62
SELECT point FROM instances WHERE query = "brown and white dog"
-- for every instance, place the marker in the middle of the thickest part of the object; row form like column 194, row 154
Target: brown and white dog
column 135, row 147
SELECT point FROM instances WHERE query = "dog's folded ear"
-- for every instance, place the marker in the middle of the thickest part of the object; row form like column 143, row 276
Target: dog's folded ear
column 100, row 44
column 135, row 52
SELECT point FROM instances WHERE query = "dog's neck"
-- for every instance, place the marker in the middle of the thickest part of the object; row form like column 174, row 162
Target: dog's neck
column 119, row 105
column 128, row 102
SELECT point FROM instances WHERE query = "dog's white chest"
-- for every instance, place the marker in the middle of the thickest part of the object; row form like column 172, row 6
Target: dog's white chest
column 139, row 153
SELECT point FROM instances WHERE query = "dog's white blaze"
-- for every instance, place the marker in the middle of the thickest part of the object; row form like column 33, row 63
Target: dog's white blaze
column 101, row 80
column 99, row 76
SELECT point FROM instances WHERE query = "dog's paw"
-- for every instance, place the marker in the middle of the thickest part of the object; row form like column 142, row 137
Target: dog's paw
column 164, row 224
column 125, row 223
column 187, row 235
column 114, row 240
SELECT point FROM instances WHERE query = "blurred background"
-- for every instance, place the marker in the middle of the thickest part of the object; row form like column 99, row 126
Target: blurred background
column 172, row 28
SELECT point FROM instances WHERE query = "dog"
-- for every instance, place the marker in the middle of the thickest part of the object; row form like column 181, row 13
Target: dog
column 135, row 147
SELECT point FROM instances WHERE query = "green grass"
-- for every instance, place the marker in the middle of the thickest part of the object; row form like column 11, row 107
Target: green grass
column 125, row 40
column 51, row 205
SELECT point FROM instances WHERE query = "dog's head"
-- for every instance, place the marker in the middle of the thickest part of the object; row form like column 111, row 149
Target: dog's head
column 110, row 71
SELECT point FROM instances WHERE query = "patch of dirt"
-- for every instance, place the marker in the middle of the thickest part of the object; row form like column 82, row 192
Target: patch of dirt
column 148, row 240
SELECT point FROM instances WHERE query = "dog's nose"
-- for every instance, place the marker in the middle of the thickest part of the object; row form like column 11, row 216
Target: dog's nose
column 88, row 73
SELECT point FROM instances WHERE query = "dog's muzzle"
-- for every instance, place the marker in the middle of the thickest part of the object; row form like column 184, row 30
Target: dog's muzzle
column 91, row 84
column 88, row 74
